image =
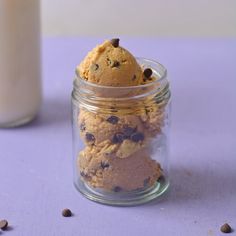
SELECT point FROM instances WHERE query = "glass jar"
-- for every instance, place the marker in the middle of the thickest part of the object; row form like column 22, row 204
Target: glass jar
column 120, row 139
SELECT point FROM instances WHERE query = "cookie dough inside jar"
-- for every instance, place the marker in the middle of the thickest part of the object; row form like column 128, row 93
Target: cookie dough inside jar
column 120, row 133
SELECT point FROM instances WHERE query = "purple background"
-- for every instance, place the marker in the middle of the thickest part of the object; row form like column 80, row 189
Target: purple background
column 36, row 160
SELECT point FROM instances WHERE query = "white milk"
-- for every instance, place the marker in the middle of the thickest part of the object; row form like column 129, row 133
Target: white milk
column 20, row 88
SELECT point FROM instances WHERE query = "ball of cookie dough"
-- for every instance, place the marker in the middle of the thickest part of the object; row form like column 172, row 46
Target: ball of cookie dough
column 116, row 174
column 96, row 128
column 110, row 65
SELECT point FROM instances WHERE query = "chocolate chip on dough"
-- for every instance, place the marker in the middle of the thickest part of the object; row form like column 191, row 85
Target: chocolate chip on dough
column 128, row 131
column 82, row 127
column 134, row 78
column 90, row 137
column 136, row 137
column 104, row 165
column 115, row 42
column 115, row 63
column 83, row 174
column 118, row 138
column 113, row 120
column 147, row 72
column 94, row 67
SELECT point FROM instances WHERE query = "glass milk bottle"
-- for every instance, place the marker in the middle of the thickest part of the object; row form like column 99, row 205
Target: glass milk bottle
column 20, row 87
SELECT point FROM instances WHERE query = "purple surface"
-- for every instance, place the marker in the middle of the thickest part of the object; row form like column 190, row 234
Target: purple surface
column 36, row 160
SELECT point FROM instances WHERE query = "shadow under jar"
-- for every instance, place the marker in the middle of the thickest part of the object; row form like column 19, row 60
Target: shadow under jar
column 121, row 139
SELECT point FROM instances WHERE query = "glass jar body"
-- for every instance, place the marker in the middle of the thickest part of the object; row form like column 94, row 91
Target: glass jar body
column 121, row 140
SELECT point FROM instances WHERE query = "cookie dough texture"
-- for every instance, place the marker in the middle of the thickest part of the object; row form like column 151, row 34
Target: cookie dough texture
column 116, row 174
column 108, row 127
column 110, row 66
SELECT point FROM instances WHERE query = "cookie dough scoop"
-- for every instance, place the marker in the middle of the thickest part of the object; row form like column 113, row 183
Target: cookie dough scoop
column 109, row 64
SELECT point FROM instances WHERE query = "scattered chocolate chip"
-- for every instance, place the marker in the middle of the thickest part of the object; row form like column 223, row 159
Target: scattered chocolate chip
column 94, row 67
column 118, row 138
column 115, row 63
column 104, row 165
column 3, row 224
column 147, row 72
column 115, row 42
column 136, row 137
column 128, row 131
column 134, row 78
column 117, row 189
column 113, row 120
column 67, row 212
column 90, row 137
column 82, row 126
column 225, row 228
column 146, row 181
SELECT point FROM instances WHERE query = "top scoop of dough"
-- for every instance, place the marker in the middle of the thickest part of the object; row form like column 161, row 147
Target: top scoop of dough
column 109, row 64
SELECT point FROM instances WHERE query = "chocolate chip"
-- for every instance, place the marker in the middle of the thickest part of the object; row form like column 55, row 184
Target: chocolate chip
column 3, row 224
column 115, row 64
column 134, row 78
column 146, row 181
column 225, row 228
column 113, row 120
column 118, row 138
column 136, row 137
column 82, row 126
column 83, row 174
column 104, row 165
column 117, row 189
column 67, row 212
column 147, row 72
column 90, row 137
column 128, row 131
column 94, row 67
column 115, row 42
column 108, row 61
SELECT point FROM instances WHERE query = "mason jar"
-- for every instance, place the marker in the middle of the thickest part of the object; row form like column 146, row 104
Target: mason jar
column 121, row 139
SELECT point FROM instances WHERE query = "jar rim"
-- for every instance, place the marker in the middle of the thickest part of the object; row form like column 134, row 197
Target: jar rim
column 162, row 77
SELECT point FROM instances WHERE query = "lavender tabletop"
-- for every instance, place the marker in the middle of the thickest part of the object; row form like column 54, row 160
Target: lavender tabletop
column 36, row 160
